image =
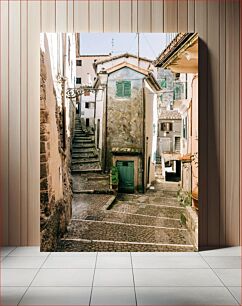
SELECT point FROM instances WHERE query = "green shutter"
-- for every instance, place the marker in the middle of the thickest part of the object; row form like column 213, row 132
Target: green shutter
column 119, row 89
column 123, row 89
column 127, row 88
column 163, row 83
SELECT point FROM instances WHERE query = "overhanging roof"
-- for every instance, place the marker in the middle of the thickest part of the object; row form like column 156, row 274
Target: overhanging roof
column 181, row 55
column 125, row 55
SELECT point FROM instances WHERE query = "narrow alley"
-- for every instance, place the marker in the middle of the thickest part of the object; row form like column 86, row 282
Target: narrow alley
column 103, row 221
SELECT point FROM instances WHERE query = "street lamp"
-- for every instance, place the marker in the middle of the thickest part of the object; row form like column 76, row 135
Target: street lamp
column 103, row 78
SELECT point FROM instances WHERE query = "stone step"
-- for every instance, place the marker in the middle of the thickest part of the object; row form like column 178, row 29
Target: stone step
column 83, row 150
column 94, row 167
column 85, row 170
column 148, row 199
column 112, row 231
column 84, row 155
column 113, row 216
column 80, row 140
column 149, row 210
column 82, row 136
column 84, row 161
column 164, row 203
column 84, row 245
column 83, row 145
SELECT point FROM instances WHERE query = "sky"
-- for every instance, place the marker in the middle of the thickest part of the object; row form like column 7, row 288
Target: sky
column 151, row 44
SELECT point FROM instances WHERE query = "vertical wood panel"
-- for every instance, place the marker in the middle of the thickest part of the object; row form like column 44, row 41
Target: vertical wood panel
column 96, row 16
column 222, row 120
column 125, row 16
column 14, row 122
column 183, row 15
column 191, row 15
column 23, row 124
column 70, row 16
column 81, row 16
column 218, row 100
column 4, row 123
column 134, row 20
column 232, row 121
column 144, row 16
column 48, row 16
column 171, row 15
column 33, row 122
column 61, row 16
column 213, row 124
column 157, row 16
column 111, row 16
column 201, row 28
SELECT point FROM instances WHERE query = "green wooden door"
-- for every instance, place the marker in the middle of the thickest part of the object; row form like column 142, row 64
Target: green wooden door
column 126, row 176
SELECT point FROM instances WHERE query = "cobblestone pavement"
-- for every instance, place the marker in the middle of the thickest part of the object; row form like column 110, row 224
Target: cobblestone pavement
column 133, row 222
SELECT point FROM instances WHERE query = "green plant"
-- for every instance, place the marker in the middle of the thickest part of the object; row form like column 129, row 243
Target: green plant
column 114, row 173
column 183, row 219
column 184, row 197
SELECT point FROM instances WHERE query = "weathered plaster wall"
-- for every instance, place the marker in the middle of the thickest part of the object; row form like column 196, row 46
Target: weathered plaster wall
column 125, row 115
column 55, row 181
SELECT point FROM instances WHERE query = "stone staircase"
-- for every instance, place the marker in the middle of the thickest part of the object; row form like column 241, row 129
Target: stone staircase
column 85, row 157
column 139, row 222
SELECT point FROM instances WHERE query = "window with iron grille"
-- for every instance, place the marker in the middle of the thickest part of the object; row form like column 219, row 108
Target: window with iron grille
column 166, row 126
column 79, row 62
column 78, row 80
column 123, row 89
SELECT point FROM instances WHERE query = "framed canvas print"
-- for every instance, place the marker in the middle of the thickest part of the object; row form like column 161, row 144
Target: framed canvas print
column 119, row 142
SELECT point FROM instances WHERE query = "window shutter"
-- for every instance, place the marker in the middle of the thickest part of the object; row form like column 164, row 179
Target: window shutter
column 163, row 83
column 119, row 89
column 127, row 88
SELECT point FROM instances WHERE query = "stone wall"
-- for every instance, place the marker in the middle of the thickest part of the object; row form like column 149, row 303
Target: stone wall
column 125, row 118
column 125, row 115
column 55, row 179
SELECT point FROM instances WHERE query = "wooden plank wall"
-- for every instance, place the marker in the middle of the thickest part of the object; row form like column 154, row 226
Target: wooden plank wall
column 217, row 23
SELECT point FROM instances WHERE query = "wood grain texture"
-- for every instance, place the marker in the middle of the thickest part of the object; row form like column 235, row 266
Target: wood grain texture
column 144, row 16
column 4, row 123
column 183, row 15
column 222, row 121
column 171, row 16
column 219, row 105
column 134, row 10
column 70, row 15
column 111, row 16
column 213, row 119
column 81, row 16
column 96, row 16
column 61, row 16
column 23, row 124
column 33, row 51
column 48, row 16
column 232, row 122
column 191, row 15
column 157, row 21
column 201, row 28
column 14, row 122
column 126, row 16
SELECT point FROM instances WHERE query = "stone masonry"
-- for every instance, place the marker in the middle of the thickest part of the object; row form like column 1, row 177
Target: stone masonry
column 55, row 179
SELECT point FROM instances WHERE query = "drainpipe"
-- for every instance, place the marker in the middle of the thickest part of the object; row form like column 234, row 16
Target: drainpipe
column 144, row 139
column 106, row 129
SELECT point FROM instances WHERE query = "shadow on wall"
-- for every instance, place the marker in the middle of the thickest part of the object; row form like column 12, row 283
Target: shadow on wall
column 209, row 170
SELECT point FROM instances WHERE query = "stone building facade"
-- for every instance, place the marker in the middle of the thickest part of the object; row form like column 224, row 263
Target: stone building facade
column 56, row 129
column 129, row 125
